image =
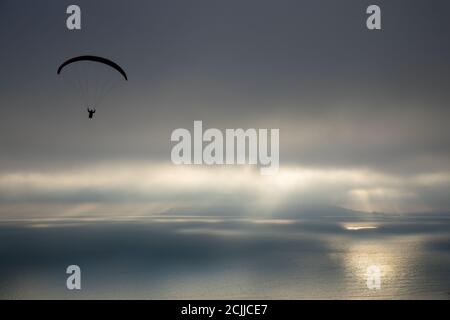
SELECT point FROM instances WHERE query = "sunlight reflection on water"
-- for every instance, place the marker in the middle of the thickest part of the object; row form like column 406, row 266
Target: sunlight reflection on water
column 212, row 258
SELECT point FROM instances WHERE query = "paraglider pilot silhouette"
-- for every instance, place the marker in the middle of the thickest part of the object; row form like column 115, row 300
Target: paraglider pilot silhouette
column 94, row 59
column 91, row 112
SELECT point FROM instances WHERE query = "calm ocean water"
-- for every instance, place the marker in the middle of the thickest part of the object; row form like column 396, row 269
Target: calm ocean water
column 226, row 258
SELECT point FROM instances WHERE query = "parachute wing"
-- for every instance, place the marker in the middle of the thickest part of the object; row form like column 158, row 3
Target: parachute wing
column 108, row 62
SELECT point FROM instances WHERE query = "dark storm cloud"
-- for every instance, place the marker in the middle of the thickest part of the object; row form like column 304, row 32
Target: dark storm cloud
column 344, row 98
column 311, row 68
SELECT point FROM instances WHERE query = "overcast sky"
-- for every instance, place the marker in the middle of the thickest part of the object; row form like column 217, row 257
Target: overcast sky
column 363, row 115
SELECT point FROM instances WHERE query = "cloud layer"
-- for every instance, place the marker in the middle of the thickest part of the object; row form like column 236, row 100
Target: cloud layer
column 149, row 189
column 363, row 116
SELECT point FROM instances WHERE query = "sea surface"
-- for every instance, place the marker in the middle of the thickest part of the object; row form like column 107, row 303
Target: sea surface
column 226, row 258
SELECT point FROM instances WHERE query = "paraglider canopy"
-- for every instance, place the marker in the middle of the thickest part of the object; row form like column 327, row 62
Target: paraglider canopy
column 90, row 79
column 94, row 59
